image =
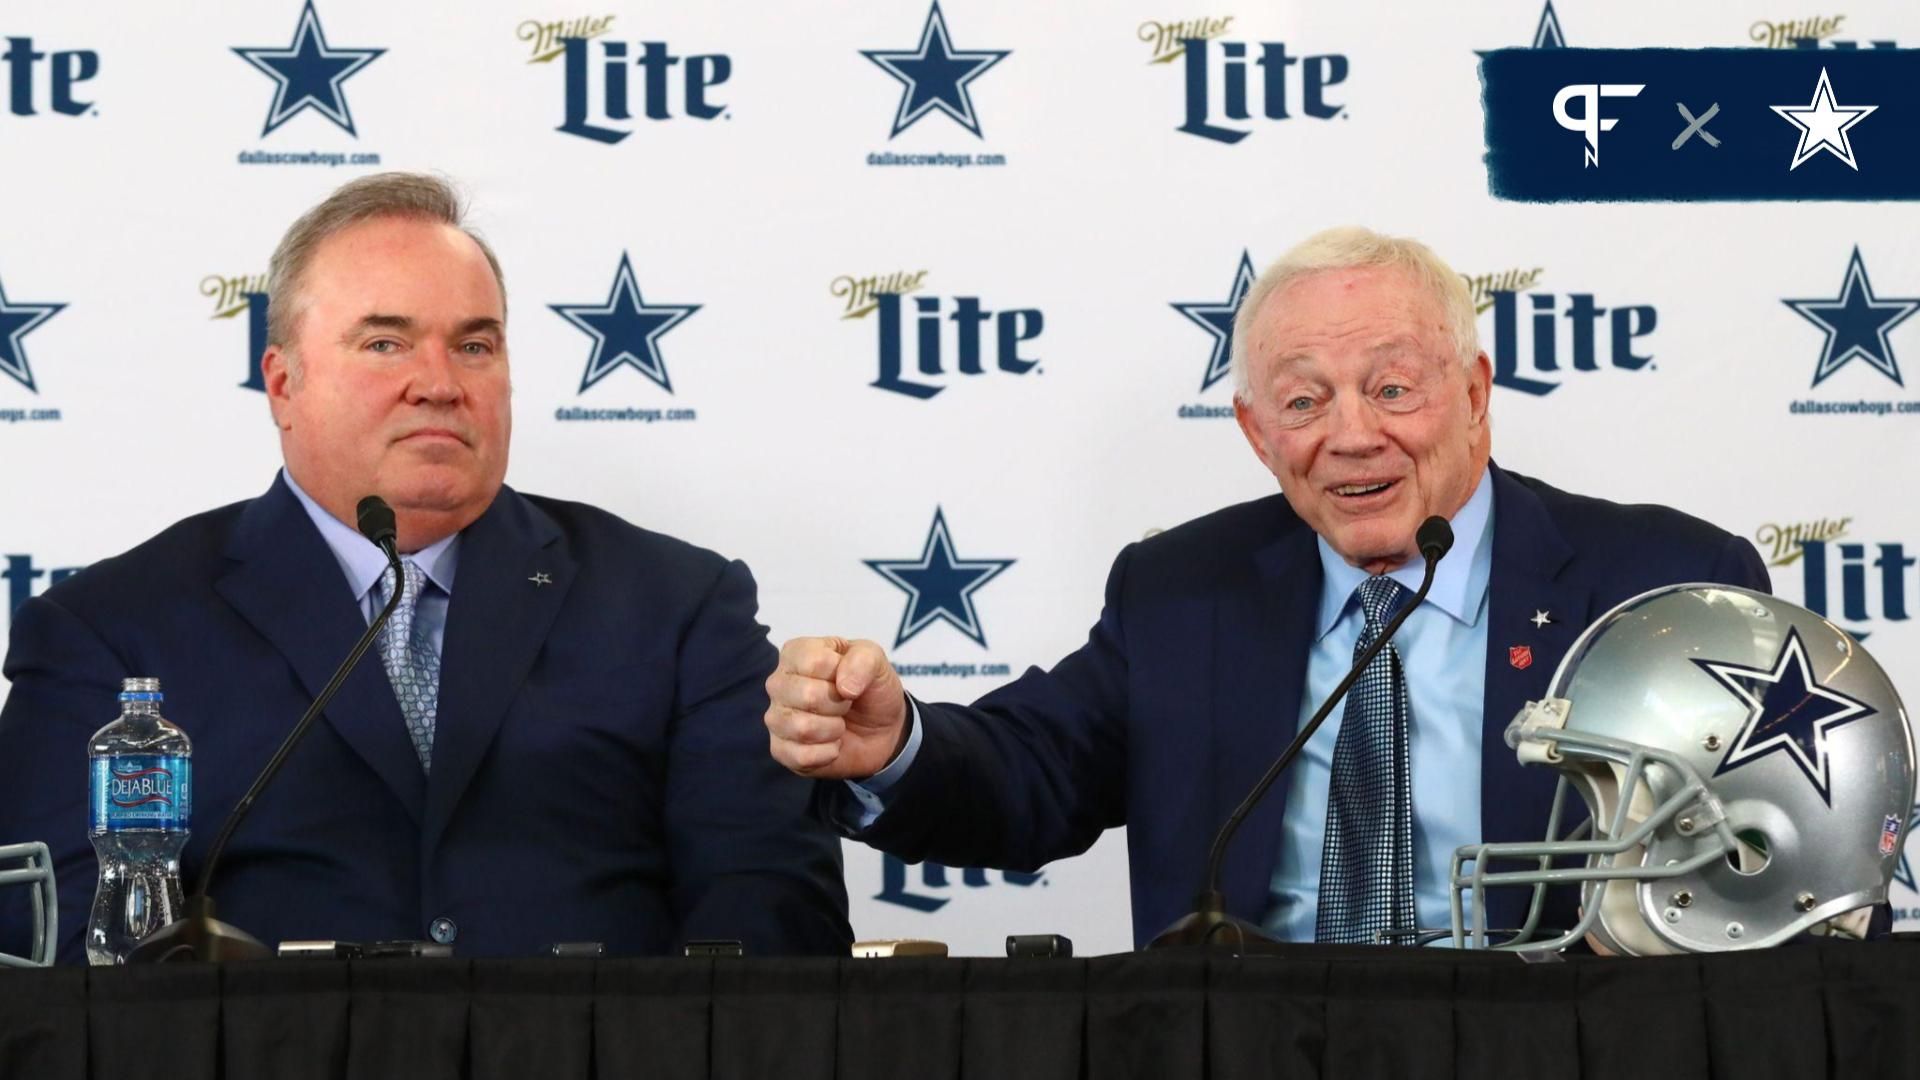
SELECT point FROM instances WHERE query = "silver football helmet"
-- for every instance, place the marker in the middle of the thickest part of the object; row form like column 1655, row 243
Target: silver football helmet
column 1747, row 771
column 31, row 866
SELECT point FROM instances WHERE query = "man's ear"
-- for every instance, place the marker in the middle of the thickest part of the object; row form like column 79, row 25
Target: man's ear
column 276, row 370
column 1479, row 388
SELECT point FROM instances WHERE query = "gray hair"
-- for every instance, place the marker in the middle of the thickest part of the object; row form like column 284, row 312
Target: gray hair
column 390, row 194
column 1350, row 247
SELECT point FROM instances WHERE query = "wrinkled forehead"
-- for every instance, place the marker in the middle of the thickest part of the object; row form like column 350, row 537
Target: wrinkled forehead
column 1361, row 316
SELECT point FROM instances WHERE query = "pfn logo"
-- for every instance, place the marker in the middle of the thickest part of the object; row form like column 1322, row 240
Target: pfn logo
column 65, row 69
column 894, row 884
column 967, row 338
column 1583, row 320
column 698, row 76
column 1308, row 77
column 1590, row 123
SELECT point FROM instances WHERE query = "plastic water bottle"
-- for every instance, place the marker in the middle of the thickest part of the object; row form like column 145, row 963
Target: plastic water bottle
column 142, row 805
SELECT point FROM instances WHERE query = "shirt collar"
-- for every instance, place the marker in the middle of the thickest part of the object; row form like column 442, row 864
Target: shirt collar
column 1459, row 584
column 362, row 562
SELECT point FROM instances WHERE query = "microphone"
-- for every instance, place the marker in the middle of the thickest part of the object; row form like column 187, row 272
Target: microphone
column 197, row 935
column 1209, row 919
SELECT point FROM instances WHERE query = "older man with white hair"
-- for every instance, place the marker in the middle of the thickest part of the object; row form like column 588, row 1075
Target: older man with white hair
column 1362, row 388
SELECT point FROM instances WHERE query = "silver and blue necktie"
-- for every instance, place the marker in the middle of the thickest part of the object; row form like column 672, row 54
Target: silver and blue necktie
column 411, row 662
column 1366, row 860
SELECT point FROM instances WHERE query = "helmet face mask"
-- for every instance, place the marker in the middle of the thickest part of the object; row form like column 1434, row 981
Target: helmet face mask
column 1746, row 769
column 30, row 866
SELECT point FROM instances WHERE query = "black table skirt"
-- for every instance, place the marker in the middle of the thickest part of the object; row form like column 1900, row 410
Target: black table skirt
column 1802, row 1012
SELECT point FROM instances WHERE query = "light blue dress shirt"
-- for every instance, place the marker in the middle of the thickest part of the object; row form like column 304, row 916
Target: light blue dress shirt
column 1443, row 650
column 363, row 564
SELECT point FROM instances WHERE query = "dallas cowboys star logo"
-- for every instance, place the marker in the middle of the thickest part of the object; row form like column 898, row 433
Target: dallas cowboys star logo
column 1823, row 125
column 936, row 75
column 939, row 586
column 308, row 74
column 16, row 321
column 1788, row 712
column 1547, row 35
column 1217, row 319
column 626, row 329
column 1856, row 323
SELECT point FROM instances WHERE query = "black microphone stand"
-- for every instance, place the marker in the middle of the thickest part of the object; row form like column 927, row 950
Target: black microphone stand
column 197, row 935
column 1209, row 923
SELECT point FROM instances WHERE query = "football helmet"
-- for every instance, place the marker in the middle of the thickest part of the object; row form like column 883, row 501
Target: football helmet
column 31, row 866
column 1747, row 770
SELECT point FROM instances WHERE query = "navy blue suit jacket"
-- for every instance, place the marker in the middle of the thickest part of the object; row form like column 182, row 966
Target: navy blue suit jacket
column 1191, row 682
column 599, row 769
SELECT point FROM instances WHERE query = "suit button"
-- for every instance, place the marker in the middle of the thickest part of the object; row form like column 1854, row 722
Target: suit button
column 444, row 930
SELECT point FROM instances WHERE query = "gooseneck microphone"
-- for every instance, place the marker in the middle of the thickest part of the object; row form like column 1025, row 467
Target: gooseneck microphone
column 197, row 935
column 1209, row 920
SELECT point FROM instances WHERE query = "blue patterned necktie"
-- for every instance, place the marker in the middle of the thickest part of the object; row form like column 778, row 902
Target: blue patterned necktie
column 1366, row 860
column 410, row 660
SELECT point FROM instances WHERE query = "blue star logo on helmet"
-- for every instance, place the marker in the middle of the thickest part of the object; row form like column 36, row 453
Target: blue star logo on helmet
column 935, row 75
column 939, row 585
column 308, row 74
column 1788, row 712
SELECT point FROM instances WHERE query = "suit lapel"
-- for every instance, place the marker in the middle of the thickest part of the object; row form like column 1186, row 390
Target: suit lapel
column 514, row 575
column 1530, row 561
column 1261, row 666
column 285, row 582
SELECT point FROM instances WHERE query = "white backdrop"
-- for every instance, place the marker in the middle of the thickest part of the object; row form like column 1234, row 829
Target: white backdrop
column 1103, row 215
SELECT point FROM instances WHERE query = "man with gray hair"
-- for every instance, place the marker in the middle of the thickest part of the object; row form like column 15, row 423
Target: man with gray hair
column 1362, row 388
column 559, row 742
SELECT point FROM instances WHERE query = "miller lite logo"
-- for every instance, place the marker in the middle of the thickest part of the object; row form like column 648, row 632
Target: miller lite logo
column 1578, row 334
column 1231, row 83
column 608, row 82
column 64, row 69
column 926, row 342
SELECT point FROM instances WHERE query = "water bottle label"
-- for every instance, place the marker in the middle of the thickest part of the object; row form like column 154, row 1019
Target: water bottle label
column 142, row 791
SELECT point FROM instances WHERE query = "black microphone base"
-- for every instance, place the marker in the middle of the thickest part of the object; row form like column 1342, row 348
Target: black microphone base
column 197, row 935
column 1209, row 924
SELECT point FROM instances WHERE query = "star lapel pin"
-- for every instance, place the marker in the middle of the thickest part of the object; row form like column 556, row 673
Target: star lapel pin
column 1541, row 619
column 541, row 578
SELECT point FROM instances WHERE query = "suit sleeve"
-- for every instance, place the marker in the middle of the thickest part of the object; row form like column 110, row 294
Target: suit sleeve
column 749, row 861
column 1033, row 772
column 64, row 679
column 1740, row 564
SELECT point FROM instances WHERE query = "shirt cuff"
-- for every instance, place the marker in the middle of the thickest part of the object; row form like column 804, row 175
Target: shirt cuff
column 871, row 793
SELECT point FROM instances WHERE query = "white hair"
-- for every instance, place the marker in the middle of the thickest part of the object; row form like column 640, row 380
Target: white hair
column 1350, row 247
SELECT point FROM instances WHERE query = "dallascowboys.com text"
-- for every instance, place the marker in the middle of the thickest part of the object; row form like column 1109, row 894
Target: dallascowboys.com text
column 954, row 671
column 1872, row 408
column 644, row 416
column 305, row 157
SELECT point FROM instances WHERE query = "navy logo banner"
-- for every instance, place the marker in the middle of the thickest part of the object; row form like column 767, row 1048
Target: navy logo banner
column 1566, row 125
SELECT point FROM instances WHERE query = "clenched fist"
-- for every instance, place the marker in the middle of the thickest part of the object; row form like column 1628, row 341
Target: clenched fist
column 837, row 711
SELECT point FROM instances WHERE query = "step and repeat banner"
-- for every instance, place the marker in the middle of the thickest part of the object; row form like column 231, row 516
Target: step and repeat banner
column 922, row 308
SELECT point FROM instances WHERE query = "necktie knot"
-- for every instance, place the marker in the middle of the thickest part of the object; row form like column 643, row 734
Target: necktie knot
column 1380, row 598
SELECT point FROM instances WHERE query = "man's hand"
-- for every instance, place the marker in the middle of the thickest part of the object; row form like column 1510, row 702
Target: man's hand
column 837, row 711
